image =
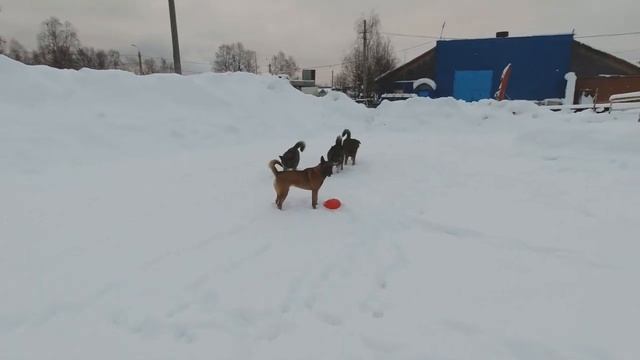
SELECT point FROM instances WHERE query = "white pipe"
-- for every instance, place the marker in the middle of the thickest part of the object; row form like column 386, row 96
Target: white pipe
column 570, row 90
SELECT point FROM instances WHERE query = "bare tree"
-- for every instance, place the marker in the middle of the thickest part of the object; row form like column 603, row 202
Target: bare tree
column 150, row 66
column 165, row 66
column 380, row 56
column 90, row 58
column 113, row 59
column 34, row 58
column 281, row 64
column 85, row 57
column 18, row 52
column 234, row 57
column 341, row 81
column 101, row 60
column 59, row 46
column 224, row 59
column 58, row 43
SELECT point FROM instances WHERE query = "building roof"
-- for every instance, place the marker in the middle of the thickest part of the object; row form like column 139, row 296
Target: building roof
column 583, row 59
column 422, row 66
column 427, row 54
column 584, row 56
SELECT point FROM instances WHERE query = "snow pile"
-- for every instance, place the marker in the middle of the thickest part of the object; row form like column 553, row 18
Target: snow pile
column 137, row 111
column 137, row 222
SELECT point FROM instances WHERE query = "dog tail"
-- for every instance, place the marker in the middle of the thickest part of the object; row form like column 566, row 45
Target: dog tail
column 347, row 133
column 300, row 145
column 339, row 141
column 272, row 166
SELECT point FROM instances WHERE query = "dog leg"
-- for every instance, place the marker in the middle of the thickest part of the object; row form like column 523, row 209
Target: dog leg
column 282, row 196
column 353, row 159
column 314, row 198
column 275, row 187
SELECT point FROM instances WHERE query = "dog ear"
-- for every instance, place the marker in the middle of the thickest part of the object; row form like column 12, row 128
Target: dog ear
column 322, row 161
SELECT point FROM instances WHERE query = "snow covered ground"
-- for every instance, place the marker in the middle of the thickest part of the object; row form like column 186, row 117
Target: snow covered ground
column 137, row 222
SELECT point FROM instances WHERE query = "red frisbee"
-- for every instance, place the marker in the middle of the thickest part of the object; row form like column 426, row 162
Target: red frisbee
column 332, row 204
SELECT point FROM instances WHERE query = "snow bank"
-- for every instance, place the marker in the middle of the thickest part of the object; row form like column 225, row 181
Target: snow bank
column 137, row 221
column 125, row 113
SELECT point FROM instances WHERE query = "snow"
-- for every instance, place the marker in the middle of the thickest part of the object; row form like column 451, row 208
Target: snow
column 424, row 81
column 586, row 99
column 137, row 222
column 630, row 96
column 397, row 96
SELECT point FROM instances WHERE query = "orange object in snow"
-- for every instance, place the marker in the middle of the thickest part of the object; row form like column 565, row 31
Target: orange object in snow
column 332, row 204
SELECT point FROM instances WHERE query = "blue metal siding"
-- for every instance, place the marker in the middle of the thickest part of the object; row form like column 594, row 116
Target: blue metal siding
column 472, row 85
column 539, row 64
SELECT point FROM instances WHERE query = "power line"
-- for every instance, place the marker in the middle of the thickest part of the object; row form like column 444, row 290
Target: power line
column 196, row 62
column 417, row 46
column 608, row 35
column 454, row 38
column 419, row 36
column 166, row 58
column 349, row 62
column 328, row 66
column 432, row 37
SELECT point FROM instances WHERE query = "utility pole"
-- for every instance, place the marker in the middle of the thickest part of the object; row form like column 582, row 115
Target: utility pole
column 139, row 58
column 255, row 58
column 174, row 38
column 364, row 60
column 332, row 78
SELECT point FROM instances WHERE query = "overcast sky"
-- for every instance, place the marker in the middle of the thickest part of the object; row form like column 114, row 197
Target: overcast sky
column 316, row 32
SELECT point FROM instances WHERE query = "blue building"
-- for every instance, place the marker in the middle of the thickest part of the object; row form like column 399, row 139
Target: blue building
column 471, row 69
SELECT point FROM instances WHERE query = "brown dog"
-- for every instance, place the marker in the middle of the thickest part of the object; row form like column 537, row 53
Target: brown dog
column 307, row 179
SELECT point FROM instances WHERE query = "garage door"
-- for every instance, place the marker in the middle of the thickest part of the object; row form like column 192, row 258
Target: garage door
column 472, row 85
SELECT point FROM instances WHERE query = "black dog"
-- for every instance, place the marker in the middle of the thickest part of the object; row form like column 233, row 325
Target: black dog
column 350, row 147
column 335, row 155
column 291, row 158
